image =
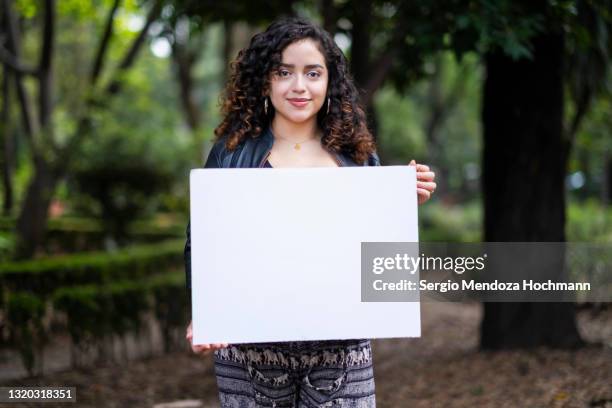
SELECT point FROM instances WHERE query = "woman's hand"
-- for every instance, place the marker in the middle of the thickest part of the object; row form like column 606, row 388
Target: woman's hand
column 425, row 181
column 202, row 349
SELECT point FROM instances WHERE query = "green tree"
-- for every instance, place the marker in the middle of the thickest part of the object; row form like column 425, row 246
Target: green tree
column 51, row 150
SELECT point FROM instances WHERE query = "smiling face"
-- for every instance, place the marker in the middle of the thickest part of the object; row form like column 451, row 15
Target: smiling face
column 298, row 88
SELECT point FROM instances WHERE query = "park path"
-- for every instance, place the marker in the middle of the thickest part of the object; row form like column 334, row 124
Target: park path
column 441, row 369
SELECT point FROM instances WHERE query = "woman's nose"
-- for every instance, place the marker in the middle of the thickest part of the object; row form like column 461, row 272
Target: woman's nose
column 298, row 84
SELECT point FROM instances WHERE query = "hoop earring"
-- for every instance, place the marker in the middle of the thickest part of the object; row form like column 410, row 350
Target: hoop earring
column 328, row 103
column 266, row 106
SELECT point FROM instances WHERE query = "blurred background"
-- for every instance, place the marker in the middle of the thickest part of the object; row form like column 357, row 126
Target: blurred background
column 106, row 105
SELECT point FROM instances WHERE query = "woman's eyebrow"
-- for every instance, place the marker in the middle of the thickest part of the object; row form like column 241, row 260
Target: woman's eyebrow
column 306, row 66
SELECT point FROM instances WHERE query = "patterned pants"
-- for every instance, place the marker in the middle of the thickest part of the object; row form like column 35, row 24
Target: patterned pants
column 335, row 373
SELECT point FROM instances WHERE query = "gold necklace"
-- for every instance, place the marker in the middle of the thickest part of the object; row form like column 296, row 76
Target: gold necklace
column 297, row 145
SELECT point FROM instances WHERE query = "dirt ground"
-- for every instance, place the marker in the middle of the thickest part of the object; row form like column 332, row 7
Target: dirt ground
column 441, row 369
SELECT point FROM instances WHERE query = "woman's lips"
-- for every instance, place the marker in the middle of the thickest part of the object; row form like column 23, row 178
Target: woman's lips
column 298, row 103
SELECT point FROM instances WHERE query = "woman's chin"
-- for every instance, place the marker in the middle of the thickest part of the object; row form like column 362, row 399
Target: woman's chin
column 300, row 117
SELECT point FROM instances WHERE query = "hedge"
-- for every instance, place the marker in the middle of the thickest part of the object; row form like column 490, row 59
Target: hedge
column 43, row 276
column 94, row 225
column 97, row 312
column 24, row 314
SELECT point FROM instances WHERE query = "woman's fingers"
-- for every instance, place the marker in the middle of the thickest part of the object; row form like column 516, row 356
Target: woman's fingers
column 419, row 167
column 217, row 346
column 189, row 332
column 426, row 175
column 201, row 350
column 430, row 186
column 423, row 195
column 425, row 181
column 204, row 349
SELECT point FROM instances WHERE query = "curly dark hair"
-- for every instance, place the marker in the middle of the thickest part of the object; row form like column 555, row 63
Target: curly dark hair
column 344, row 128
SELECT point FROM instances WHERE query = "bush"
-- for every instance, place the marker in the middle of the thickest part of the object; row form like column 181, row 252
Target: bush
column 43, row 276
column 440, row 223
column 170, row 304
column 589, row 221
column 97, row 312
column 7, row 245
column 78, row 234
column 24, row 315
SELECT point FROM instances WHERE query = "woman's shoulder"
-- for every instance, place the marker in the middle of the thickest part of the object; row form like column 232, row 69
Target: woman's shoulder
column 373, row 159
column 348, row 160
column 245, row 153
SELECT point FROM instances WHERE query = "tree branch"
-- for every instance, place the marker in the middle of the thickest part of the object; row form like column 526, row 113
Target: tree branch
column 84, row 123
column 29, row 124
column 583, row 103
column 385, row 61
column 130, row 56
column 104, row 41
column 8, row 149
column 45, row 83
column 13, row 63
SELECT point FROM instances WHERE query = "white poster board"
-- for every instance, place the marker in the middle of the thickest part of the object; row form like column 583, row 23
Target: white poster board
column 276, row 252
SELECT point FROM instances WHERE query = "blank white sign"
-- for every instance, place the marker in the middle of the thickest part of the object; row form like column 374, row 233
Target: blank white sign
column 276, row 252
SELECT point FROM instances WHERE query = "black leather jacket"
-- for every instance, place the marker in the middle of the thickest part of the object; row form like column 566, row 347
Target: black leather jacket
column 252, row 153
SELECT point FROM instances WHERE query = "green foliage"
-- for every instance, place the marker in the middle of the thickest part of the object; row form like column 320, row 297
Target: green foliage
column 22, row 307
column 593, row 145
column 27, row 8
column 505, row 24
column 123, row 190
column 401, row 135
column 138, row 157
column 24, row 313
column 87, row 308
column 162, row 225
column 7, row 245
column 96, row 312
column 78, row 234
column 443, row 223
column 170, row 303
column 44, row 276
column 589, row 221
column 437, row 123
column 141, row 116
column 101, row 295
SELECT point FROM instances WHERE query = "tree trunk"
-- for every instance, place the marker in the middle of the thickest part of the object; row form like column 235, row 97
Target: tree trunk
column 361, row 61
column 8, row 148
column 48, row 171
column 524, row 168
column 361, row 43
column 606, row 191
column 184, row 61
column 32, row 221
column 330, row 15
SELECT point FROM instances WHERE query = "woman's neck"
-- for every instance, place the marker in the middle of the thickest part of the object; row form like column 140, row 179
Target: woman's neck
column 294, row 132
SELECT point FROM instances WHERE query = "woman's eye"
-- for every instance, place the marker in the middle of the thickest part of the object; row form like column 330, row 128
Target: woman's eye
column 283, row 73
column 315, row 74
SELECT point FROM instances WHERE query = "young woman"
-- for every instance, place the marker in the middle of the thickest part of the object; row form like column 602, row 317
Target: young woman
column 290, row 102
